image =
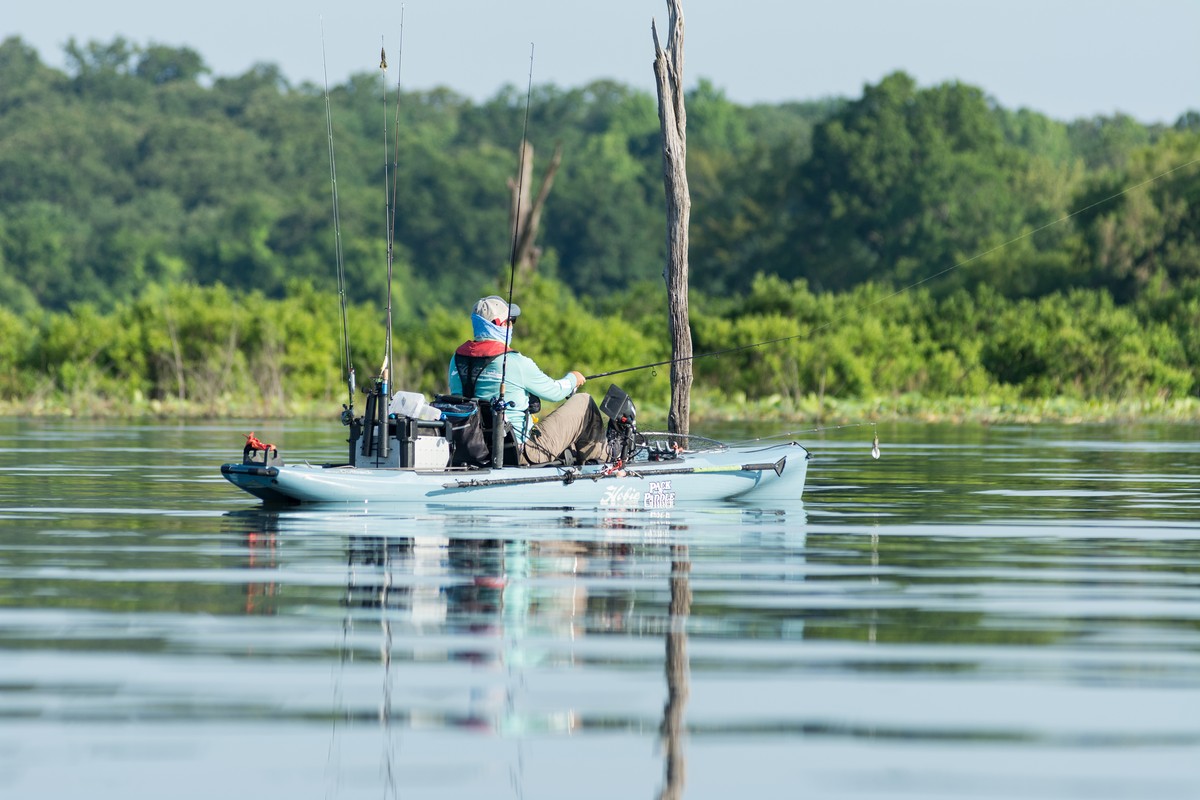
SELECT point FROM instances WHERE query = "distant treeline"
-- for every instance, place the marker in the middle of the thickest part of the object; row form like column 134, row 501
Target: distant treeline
column 166, row 234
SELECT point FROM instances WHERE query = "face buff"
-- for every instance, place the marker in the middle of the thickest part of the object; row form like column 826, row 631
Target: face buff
column 486, row 329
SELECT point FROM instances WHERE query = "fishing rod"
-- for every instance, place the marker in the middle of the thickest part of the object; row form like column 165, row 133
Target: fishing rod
column 902, row 290
column 512, row 258
column 375, row 419
column 386, row 369
column 396, row 152
column 347, row 360
column 499, row 404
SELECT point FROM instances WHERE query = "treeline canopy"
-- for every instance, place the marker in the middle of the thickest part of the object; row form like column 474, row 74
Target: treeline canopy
column 137, row 167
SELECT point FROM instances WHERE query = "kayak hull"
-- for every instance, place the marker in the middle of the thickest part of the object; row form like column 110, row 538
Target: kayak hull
column 777, row 471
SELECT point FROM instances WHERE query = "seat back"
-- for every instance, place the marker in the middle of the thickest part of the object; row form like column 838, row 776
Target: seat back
column 487, row 419
column 471, row 425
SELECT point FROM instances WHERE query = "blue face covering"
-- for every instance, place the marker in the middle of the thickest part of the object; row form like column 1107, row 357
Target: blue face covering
column 486, row 329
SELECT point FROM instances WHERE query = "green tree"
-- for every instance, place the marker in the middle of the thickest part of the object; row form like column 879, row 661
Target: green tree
column 159, row 64
column 903, row 185
column 1142, row 227
column 1105, row 142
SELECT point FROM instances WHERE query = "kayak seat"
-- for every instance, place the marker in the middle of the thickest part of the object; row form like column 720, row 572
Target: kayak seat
column 487, row 419
column 471, row 422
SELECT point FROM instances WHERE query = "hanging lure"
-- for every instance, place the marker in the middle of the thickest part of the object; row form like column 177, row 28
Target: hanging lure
column 875, row 446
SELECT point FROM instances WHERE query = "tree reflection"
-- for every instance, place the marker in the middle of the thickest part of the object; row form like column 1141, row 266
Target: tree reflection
column 677, row 673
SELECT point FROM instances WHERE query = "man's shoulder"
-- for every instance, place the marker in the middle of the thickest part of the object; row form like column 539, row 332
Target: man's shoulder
column 482, row 348
column 517, row 357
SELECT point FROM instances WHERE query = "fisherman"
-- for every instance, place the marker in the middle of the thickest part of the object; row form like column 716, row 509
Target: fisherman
column 573, row 432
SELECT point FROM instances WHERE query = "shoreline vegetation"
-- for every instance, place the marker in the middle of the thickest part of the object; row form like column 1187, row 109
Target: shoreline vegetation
column 810, row 411
column 778, row 354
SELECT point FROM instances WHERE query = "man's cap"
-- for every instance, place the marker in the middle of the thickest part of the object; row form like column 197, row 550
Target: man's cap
column 493, row 307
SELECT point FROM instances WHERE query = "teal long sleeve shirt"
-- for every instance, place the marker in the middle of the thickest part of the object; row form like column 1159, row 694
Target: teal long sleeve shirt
column 522, row 378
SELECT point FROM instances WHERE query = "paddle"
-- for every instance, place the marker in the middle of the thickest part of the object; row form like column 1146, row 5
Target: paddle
column 570, row 477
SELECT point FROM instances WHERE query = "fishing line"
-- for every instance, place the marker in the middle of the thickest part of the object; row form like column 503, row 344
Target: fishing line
column 900, row 291
column 875, row 454
column 347, row 360
column 793, row 434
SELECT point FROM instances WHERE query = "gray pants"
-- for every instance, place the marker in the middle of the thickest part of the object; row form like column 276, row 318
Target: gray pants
column 575, row 425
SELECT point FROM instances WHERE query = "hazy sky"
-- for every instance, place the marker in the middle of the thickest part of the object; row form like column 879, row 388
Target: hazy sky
column 1065, row 58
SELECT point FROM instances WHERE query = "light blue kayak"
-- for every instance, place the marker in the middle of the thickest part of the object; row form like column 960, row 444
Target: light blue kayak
column 689, row 478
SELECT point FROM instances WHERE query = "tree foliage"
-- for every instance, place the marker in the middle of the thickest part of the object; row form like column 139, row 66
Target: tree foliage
column 223, row 351
column 913, row 239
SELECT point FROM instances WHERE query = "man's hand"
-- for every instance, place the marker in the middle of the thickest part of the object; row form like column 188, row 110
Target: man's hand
column 579, row 379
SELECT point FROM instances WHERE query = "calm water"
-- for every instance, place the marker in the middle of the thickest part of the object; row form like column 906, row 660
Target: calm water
column 1006, row 612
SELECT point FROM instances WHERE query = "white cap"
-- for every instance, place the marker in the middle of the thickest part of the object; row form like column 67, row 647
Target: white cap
column 494, row 308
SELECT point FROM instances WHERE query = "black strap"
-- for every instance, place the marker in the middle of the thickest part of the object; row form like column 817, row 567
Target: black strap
column 469, row 370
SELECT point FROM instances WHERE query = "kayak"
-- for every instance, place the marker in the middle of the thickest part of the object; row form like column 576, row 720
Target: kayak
column 688, row 478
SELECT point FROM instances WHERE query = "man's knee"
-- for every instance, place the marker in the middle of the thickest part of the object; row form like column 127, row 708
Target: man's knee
column 579, row 403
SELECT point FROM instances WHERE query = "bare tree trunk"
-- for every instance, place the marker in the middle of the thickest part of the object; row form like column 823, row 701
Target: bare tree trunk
column 668, row 70
column 176, row 355
column 524, row 216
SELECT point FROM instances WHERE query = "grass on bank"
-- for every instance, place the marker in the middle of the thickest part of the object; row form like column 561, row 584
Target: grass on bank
column 706, row 407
